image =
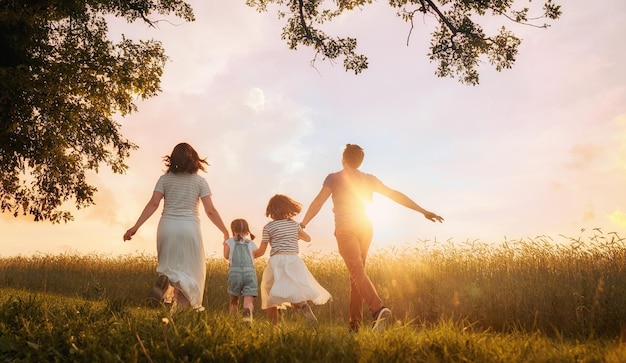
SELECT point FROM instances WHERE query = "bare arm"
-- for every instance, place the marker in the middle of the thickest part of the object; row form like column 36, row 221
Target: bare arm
column 402, row 199
column 304, row 236
column 214, row 216
column 315, row 206
column 226, row 250
column 261, row 250
column 148, row 211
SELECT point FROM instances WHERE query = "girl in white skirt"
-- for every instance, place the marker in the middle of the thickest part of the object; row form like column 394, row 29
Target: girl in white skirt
column 286, row 280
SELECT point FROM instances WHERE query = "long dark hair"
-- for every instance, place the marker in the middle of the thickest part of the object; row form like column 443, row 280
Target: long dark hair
column 184, row 159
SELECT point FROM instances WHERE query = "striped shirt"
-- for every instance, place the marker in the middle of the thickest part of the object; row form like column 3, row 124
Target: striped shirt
column 282, row 235
column 182, row 193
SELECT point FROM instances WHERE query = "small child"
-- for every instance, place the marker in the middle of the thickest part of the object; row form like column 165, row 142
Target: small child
column 286, row 280
column 242, row 279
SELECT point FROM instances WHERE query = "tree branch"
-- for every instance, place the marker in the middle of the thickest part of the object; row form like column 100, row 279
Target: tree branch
column 442, row 17
column 525, row 23
column 306, row 28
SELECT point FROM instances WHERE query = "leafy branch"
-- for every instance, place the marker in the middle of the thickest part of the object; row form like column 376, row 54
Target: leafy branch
column 457, row 44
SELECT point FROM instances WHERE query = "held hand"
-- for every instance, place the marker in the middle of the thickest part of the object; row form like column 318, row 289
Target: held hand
column 129, row 234
column 433, row 217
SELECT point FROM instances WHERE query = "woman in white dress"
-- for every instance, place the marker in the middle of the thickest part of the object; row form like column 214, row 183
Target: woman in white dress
column 181, row 259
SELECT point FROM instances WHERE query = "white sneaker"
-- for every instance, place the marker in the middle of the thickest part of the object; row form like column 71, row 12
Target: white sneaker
column 383, row 317
column 247, row 316
column 308, row 315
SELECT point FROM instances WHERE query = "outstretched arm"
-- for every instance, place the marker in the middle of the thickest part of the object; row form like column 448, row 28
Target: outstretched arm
column 148, row 210
column 402, row 199
column 316, row 205
column 214, row 216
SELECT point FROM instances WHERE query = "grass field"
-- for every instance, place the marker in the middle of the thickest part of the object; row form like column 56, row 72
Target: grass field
column 535, row 300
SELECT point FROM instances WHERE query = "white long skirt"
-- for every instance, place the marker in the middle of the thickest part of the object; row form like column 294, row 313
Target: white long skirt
column 181, row 258
column 286, row 280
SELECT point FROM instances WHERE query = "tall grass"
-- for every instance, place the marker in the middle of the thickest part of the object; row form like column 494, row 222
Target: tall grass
column 571, row 287
column 568, row 287
column 36, row 328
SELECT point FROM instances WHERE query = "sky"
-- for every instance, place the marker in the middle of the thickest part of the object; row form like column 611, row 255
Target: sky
column 538, row 150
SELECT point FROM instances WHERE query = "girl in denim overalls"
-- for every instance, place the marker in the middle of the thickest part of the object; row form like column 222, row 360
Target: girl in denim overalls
column 242, row 280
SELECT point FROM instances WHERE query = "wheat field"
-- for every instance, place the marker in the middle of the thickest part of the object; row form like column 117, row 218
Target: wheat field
column 537, row 293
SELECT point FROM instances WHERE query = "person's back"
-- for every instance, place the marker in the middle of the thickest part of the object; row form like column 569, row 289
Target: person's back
column 286, row 280
column 282, row 235
column 182, row 193
column 181, row 264
column 352, row 190
column 242, row 279
column 241, row 259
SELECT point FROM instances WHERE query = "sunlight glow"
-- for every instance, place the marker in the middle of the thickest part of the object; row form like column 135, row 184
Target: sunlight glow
column 618, row 217
column 384, row 216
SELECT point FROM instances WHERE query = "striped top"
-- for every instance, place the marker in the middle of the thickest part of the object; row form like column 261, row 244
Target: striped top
column 282, row 235
column 182, row 193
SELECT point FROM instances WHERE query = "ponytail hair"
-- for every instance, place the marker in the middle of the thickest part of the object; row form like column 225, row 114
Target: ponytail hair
column 240, row 228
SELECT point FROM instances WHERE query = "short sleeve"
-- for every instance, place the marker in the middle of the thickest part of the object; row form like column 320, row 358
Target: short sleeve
column 204, row 188
column 328, row 182
column 266, row 235
column 375, row 183
column 231, row 246
column 160, row 185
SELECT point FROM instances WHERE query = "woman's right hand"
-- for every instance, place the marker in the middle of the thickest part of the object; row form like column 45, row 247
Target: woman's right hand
column 130, row 233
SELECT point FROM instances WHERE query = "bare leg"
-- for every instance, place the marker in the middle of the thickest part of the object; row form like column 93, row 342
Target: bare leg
column 181, row 299
column 248, row 302
column 306, row 311
column 272, row 315
column 233, row 306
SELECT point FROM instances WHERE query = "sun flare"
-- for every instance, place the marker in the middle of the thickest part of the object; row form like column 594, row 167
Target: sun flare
column 383, row 214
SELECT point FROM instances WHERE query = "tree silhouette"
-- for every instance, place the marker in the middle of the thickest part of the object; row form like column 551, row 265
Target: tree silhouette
column 458, row 43
column 61, row 82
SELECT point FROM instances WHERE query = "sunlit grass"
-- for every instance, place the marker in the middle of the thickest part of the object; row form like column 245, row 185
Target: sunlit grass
column 535, row 300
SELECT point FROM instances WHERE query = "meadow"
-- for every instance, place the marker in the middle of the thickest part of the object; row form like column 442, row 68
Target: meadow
column 533, row 300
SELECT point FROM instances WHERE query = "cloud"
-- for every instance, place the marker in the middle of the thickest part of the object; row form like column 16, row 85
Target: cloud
column 589, row 213
column 264, row 135
column 105, row 206
column 584, row 155
column 256, row 99
column 200, row 51
column 618, row 218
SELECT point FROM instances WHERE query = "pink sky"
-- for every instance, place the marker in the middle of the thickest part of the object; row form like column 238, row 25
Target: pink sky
column 539, row 149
